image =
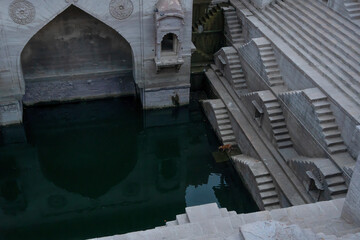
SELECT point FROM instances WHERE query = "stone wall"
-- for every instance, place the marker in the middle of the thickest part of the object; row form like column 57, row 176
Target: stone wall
column 351, row 209
column 135, row 23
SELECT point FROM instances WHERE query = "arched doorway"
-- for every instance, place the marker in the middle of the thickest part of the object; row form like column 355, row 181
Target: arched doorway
column 76, row 56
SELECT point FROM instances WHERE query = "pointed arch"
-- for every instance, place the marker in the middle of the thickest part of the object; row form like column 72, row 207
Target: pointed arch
column 36, row 30
column 75, row 43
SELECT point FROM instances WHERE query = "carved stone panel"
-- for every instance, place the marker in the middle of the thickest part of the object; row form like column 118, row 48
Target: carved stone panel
column 22, row 12
column 121, row 9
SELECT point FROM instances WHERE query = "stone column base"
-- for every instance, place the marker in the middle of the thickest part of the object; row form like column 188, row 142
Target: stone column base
column 10, row 112
column 165, row 97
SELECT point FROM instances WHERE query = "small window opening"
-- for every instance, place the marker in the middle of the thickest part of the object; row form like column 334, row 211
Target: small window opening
column 169, row 43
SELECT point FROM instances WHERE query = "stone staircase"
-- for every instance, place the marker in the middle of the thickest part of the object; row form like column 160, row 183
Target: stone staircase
column 233, row 28
column 266, row 192
column 212, row 223
column 271, row 67
column 277, row 120
column 321, row 37
column 353, row 9
column 330, row 130
column 278, row 124
column 208, row 19
column 223, row 122
column 237, row 74
column 328, row 174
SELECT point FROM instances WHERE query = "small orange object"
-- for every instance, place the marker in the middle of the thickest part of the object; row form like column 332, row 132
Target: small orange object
column 226, row 147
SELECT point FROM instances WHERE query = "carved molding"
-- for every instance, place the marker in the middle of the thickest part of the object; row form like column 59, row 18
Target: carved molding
column 121, row 9
column 22, row 12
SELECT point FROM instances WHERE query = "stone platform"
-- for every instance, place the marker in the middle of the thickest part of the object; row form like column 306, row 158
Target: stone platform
column 210, row 222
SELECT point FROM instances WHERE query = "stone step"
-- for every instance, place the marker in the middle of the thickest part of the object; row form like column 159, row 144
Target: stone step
column 332, row 134
column 276, row 80
column 334, row 181
column 220, row 111
column 275, row 111
column 271, row 201
column 272, row 105
column 326, row 17
column 334, row 141
column 268, row 194
column 285, row 144
column 267, row 54
column 306, row 26
column 313, row 46
column 222, row 116
column 271, row 65
column 231, row 56
column 277, row 125
column 239, row 80
column 282, row 138
column 238, row 76
column 337, row 149
column 280, row 131
column 232, row 143
column 264, row 179
column 323, row 67
column 230, row 138
column 233, row 62
column 227, row 132
column 355, row 16
column 223, row 121
column 338, row 189
column 353, row 10
column 279, row 118
column 321, row 104
column 323, row 111
column 272, row 72
column 236, row 71
column 269, row 59
column 218, row 105
column 171, row 223
column 182, row 219
column 329, row 126
column 266, row 48
column 240, row 86
column 326, row 119
column 266, row 187
column 224, row 127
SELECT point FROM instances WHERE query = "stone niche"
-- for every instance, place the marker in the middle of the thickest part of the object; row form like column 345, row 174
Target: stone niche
column 169, row 22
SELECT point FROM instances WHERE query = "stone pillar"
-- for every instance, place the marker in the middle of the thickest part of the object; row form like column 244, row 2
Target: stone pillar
column 351, row 209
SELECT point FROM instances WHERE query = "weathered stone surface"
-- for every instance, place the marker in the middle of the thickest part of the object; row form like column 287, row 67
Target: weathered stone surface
column 130, row 19
column 351, row 209
column 274, row 230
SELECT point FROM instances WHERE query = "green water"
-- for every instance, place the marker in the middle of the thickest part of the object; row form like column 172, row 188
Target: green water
column 92, row 169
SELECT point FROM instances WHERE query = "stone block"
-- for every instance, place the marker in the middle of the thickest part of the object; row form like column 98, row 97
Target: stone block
column 203, row 212
column 274, row 230
column 257, row 216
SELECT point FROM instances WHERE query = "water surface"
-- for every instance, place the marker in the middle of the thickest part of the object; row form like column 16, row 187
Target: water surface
column 92, row 169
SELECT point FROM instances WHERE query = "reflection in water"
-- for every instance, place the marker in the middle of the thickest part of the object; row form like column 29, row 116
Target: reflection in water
column 85, row 170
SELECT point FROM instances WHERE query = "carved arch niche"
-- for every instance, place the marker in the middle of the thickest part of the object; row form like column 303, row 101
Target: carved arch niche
column 169, row 22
